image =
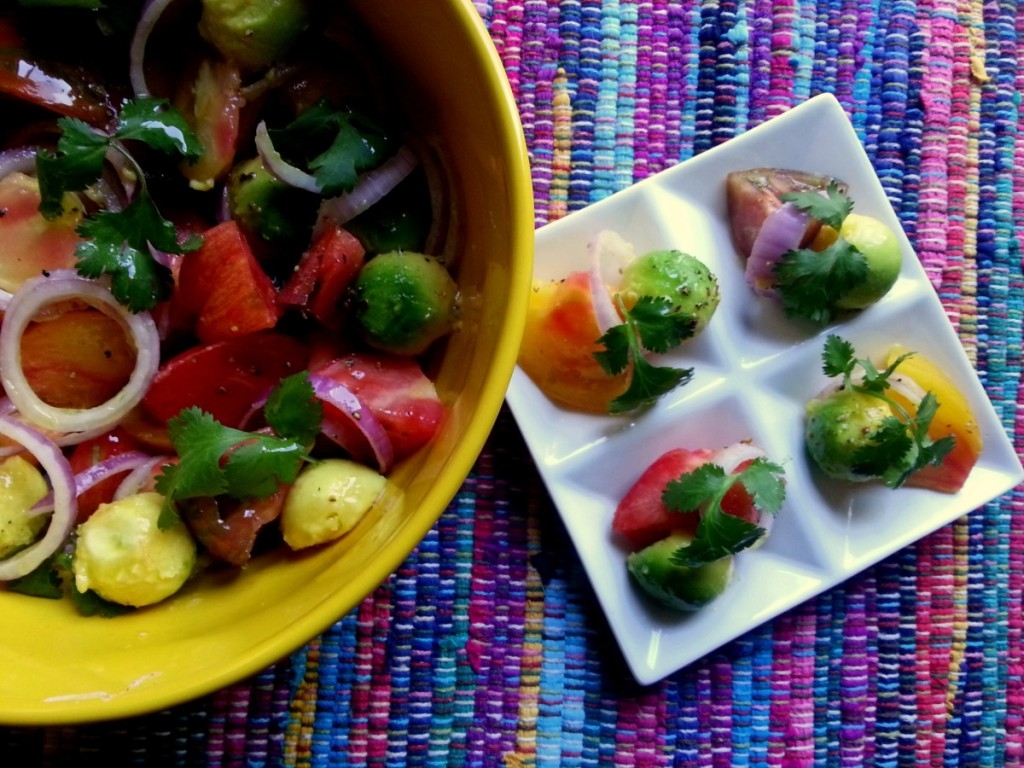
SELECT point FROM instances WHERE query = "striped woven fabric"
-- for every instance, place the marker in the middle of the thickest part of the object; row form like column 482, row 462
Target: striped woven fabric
column 487, row 647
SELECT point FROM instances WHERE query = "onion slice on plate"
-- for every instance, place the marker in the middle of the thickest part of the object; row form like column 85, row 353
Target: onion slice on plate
column 60, row 285
column 783, row 230
column 351, row 408
column 65, row 506
column 608, row 253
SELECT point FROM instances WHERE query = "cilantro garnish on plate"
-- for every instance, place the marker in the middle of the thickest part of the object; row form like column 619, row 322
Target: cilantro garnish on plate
column 118, row 243
column 811, row 283
column 901, row 445
column 652, row 324
column 720, row 534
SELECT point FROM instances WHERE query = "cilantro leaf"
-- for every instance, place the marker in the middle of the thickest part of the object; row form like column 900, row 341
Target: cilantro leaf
column 811, row 282
column 652, row 324
column 660, row 326
column 215, row 459
column 335, row 145
column 832, row 208
column 44, row 581
column 720, row 534
column 89, row 603
column 77, row 164
column 900, row 446
column 839, row 356
column 688, row 492
column 158, row 125
column 293, row 411
column 117, row 243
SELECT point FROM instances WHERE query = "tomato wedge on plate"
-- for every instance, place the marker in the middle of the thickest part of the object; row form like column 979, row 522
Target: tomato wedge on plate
column 558, row 346
column 642, row 518
column 223, row 288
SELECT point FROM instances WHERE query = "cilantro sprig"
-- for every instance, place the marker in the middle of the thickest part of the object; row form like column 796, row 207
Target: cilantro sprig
column 653, row 324
column 335, row 144
column 901, row 445
column 810, row 283
column 53, row 579
column 214, row 459
column 118, row 243
column 720, row 534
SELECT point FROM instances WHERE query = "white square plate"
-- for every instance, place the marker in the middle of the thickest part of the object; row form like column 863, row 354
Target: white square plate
column 754, row 371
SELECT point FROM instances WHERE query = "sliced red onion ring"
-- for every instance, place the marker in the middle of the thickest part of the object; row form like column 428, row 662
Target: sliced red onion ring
column 35, row 294
column 351, row 408
column 65, row 506
column 608, row 253
column 371, row 187
column 18, row 160
column 279, row 167
column 97, row 473
column 783, row 231
column 151, row 14
column 139, row 476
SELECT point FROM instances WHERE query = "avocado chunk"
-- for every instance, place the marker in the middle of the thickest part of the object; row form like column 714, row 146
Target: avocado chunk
column 267, row 207
column 690, row 287
column 253, row 33
column 839, row 426
column 403, row 301
column 678, row 586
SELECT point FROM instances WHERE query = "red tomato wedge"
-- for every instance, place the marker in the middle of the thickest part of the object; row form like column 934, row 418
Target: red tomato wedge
column 226, row 378
column 212, row 103
column 230, row 534
column 224, row 288
column 642, row 518
column 91, row 452
column 60, row 88
column 397, row 393
column 323, row 274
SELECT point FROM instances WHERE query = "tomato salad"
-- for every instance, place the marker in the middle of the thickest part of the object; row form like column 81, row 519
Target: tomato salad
column 221, row 284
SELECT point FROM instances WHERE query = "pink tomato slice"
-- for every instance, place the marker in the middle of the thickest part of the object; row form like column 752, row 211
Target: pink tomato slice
column 397, row 392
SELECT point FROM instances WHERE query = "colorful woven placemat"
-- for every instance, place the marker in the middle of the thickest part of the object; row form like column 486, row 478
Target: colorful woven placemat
column 486, row 647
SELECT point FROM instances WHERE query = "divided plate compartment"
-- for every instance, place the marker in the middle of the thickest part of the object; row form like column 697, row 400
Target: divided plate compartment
column 754, row 371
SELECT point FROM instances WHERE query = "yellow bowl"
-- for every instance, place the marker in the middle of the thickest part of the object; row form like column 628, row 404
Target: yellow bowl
column 62, row 668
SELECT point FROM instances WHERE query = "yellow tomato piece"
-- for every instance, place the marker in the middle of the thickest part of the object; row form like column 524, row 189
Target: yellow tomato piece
column 31, row 244
column 952, row 417
column 559, row 344
column 78, row 359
